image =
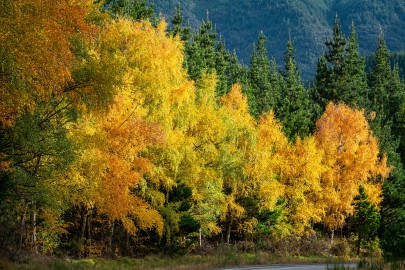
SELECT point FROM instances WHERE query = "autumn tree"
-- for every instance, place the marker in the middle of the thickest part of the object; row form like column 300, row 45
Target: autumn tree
column 301, row 177
column 351, row 157
column 43, row 90
column 235, row 154
column 265, row 168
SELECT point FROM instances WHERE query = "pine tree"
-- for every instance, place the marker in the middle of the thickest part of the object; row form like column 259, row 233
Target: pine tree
column 341, row 75
column 386, row 100
column 366, row 218
column 397, row 109
column 222, row 58
column 380, row 77
column 177, row 22
column 293, row 107
column 200, row 50
column 264, row 78
column 354, row 86
column 330, row 76
column 177, row 28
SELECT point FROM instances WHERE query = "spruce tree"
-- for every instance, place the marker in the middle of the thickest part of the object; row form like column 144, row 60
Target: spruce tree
column 222, row 58
column 177, row 22
column 365, row 220
column 379, row 77
column 386, row 99
column 330, row 70
column 293, row 107
column 200, row 50
column 264, row 78
column 341, row 75
column 354, row 88
column 177, row 28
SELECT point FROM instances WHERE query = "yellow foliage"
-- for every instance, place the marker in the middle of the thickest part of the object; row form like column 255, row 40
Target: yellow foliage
column 267, row 162
column 302, row 180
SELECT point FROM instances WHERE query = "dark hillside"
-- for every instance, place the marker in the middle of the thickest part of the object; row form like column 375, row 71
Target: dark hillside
column 308, row 21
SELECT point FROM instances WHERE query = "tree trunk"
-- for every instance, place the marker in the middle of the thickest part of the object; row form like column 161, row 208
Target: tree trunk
column 331, row 236
column 82, row 238
column 111, row 237
column 88, row 236
column 33, row 221
column 22, row 235
column 228, row 231
column 22, row 229
column 358, row 245
column 200, row 238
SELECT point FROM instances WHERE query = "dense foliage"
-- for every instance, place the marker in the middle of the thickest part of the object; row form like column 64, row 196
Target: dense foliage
column 121, row 136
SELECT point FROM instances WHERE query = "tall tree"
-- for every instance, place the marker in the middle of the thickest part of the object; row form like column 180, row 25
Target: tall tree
column 293, row 108
column 200, row 50
column 264, row 79
column 177, row 28
column 355, row 78
column 351, row 158
column 235, row 153
column 386, row 104
column 330, row 75
column 340, row 75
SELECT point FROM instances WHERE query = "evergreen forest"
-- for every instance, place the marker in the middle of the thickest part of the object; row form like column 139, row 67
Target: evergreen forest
column 125, row 134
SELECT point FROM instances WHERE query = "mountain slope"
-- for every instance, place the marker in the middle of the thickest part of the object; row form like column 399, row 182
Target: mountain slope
column 309, row 22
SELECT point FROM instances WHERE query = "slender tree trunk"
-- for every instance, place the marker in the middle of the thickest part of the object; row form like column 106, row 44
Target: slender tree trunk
column 22, row 229
column 228, row 231
column 358, row 245
column 83, row 224
column 331, row 236
column 111, row 236
column 33, row 219
column 88, row 237
column 200, row 238
column 83, row 227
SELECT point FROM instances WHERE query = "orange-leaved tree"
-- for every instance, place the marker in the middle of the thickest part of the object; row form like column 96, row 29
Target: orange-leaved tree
column 35, row 51
column 351, row 157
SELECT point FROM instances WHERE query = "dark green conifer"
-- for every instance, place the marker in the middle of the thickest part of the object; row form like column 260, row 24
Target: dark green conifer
column 134, row 9
column 386, row 101
column 222, row 57
column 177, row 22
column 200, row 50
column 293, row 108
column 354, row 88
column 365, row 220
column 330, row 74
column 264, row 78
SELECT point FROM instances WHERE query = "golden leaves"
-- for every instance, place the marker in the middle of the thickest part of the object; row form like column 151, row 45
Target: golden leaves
column 351, row 158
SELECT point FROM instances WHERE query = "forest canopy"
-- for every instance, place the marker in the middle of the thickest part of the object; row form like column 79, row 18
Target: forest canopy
column 122, row 134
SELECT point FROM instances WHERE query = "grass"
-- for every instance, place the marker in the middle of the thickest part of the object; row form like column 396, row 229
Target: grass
column 192, row 262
